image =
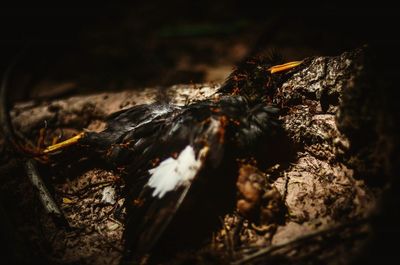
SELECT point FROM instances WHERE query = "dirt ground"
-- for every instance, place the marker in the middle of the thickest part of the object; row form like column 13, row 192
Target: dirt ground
column 312, row 191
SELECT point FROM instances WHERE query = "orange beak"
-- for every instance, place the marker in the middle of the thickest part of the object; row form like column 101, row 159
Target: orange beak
column 284, row 67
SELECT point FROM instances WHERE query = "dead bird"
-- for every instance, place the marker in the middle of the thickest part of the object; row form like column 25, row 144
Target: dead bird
column 178, row 162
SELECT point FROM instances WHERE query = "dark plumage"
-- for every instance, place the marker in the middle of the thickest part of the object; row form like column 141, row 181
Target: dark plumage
column 179, row 161
column 192, row 137
column 251, row 78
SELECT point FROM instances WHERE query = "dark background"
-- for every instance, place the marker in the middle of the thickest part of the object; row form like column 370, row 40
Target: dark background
column 76, row 49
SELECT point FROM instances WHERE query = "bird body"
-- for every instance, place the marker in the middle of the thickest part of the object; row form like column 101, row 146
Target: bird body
column 179, row 162
column 164, row 149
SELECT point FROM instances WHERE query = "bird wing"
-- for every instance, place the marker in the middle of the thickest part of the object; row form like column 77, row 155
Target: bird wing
column 183, row 142
column 137, row 116
column 189, row 139
column 161, row 197
column 261, row 120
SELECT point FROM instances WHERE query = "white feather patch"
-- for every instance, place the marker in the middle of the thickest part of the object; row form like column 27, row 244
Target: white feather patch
column 173, row 173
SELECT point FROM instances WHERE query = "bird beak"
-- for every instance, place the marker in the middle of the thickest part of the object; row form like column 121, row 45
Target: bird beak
column 61, row 145
column 283, row 67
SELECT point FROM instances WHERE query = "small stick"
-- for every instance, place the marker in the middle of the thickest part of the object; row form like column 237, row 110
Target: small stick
column 29, row 164
column 44, row 194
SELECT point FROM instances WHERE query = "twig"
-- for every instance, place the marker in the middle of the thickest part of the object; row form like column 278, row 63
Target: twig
column 44, row 194
column 18, row 143
column 5, row 119
column 298, row 240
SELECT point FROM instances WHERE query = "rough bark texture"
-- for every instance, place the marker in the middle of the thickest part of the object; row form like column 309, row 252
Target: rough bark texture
column 319, row 186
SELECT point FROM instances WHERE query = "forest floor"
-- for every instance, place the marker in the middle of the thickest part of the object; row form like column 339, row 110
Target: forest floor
column 316, row 202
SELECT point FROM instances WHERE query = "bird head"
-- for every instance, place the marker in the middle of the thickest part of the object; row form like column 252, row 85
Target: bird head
column 258, row 77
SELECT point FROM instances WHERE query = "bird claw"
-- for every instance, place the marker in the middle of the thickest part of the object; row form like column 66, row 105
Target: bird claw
column 63, row 144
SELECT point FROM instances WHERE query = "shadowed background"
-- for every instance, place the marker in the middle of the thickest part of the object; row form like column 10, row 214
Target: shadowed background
column 112, row 47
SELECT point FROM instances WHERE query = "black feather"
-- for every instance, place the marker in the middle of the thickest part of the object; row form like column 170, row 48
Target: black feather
column 140, row 138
